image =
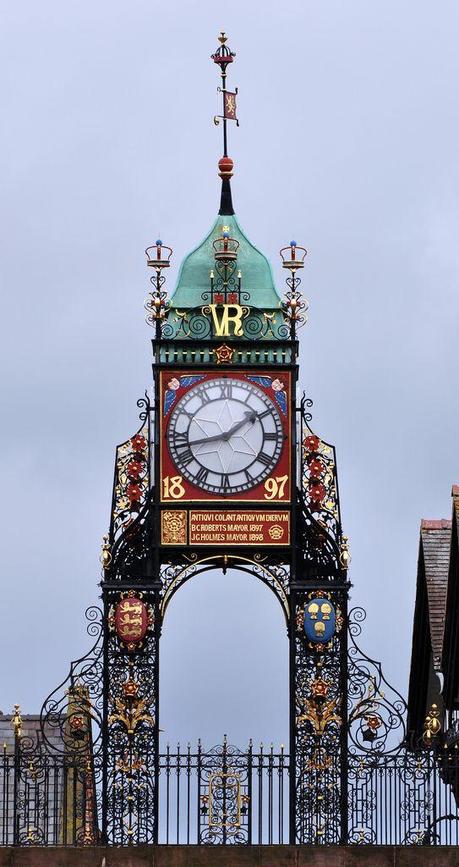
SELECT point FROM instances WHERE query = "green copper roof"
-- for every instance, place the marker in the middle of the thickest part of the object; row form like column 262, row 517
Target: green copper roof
column 257, row 276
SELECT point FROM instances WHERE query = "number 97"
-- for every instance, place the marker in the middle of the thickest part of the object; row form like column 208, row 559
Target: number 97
column 275, row 487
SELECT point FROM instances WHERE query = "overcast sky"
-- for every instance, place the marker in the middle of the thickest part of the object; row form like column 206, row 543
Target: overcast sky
column 349, row 143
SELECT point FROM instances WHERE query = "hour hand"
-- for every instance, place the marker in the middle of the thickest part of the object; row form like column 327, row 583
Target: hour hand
column 211, row 439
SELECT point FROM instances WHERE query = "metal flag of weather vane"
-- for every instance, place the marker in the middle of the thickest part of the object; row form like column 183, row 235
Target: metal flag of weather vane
column 223, row 56
column 224, row 473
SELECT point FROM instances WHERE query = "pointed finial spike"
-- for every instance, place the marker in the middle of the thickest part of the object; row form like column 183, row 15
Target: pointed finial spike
column 222, row 57
column 16, row 721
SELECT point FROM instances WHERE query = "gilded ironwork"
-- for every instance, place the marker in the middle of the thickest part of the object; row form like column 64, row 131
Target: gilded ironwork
column 174, row 527
column 132, row 480
column 377, row 712
column 293, row 258
column 246, row 322
column 16, row 722
column 225, row 798
column 132, row 711
column 273, row 572
column 432, row 724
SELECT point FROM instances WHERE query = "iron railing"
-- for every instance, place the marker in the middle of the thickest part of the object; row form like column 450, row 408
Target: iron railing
column 226, row 796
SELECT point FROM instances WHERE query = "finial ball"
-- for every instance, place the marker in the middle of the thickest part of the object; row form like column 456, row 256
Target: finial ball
column 293, row 243
column 159, row 243
column 225, row 167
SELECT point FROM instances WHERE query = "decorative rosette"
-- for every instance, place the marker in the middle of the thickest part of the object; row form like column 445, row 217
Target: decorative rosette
column 131, row 478
column 319, row 476
column 174, row 385
column 277, row 387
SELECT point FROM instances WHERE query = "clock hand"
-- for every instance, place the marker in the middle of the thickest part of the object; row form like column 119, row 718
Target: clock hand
column 249, row 416
column 211, row 439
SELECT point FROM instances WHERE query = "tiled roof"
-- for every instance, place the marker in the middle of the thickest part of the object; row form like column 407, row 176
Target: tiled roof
column 430, row 524
column 436, row 543
column 455, row 496
column 31, row 728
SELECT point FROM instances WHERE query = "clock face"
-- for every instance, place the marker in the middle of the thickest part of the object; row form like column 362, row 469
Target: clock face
column 225, row 435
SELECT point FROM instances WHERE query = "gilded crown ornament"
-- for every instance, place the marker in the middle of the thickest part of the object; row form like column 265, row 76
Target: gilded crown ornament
column 225, row 247
column 293, row 258
column 158, row 257
column 223, row 55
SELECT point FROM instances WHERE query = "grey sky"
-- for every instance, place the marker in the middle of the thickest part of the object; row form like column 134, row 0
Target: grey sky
column 348, row 142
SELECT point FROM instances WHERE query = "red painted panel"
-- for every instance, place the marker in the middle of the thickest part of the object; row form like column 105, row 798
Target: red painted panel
column 131, row 620
column 273, row 387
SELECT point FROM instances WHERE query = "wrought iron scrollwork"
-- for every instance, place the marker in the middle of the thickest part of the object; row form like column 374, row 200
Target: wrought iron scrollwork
column 72, row 713
column 320, row 540
column 224, row 800
column 126, row 553
column 131, row 727
column 276, row 575
column 320, row 721
column 132, row 479
column 57, row 773
column 195, row 323
column 131, row 552
column 377, row 712
column 319, row 551
column 319, row 480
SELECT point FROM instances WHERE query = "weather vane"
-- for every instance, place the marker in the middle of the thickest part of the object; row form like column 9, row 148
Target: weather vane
column 222, row 57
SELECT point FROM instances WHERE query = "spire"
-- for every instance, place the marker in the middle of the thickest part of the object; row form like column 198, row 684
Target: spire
column 222, row 57
column 225, row 170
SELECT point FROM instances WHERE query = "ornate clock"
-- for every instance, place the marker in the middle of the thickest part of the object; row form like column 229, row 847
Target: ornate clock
column 225, row 436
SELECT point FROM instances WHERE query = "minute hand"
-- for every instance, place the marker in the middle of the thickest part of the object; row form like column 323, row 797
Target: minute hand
column 249, row 416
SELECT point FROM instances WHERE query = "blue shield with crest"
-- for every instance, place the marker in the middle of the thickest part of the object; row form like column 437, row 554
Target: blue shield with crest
column 319, row 620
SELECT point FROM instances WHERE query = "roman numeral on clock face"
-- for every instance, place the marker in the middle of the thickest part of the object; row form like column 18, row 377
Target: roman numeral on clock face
column 264, row 459
column 185, row 453
column 224, row 482
column 226, row 390
column 201, row 475
column 271, row 437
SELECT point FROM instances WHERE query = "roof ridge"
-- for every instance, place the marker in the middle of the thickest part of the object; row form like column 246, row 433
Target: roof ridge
column 436, row 524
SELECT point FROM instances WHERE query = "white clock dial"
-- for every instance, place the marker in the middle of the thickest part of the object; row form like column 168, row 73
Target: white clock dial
column 225, row 435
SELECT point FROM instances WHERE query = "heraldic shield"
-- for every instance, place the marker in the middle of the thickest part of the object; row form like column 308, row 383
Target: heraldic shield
column 319, row 620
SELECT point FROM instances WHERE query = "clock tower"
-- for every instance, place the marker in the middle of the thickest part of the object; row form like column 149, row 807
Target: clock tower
column 225, row 473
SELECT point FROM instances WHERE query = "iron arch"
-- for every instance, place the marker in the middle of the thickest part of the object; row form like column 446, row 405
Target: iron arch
column 275, row 576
